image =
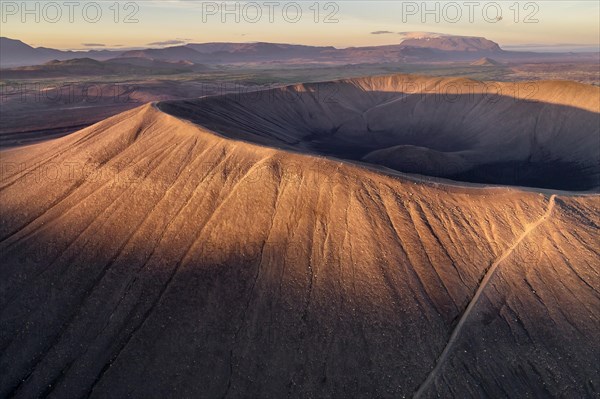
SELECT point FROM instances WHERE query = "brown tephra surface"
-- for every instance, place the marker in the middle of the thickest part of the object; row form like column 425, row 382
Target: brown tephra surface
column 148, row 257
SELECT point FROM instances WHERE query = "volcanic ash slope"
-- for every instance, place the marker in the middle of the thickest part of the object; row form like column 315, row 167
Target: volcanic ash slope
column 147, row 257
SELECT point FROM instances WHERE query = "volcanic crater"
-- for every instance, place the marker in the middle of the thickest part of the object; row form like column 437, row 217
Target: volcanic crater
column 535, row 134
column 146, row 256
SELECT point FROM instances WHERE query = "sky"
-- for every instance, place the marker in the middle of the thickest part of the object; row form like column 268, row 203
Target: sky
column 133, row 24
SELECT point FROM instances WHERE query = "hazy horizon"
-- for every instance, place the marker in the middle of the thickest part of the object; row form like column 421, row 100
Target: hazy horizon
column 535, row 47
column 339, row 24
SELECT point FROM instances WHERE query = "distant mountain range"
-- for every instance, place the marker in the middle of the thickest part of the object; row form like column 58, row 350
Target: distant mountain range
column 15, row 53
column 92, row 67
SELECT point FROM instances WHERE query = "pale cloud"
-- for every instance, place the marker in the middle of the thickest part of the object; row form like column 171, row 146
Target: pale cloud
column 167, row 43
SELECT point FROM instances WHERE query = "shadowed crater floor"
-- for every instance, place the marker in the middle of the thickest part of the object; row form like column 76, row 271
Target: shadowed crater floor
column 535, row 134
